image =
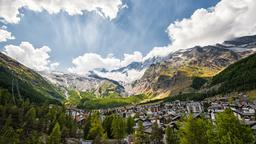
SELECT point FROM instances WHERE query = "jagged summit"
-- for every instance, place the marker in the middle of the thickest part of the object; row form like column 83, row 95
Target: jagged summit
column 168, row 75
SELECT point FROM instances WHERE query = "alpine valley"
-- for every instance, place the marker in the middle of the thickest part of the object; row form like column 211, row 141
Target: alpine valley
column 56, row 107
column 127, row 72
column 183, row 72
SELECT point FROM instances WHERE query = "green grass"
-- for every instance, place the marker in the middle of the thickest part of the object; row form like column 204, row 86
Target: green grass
column 89, row 101
column 103, row 103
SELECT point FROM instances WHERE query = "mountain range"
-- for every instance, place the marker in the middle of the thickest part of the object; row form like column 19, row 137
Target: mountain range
column 163, row 76
column 184, row 71
column 181, row 69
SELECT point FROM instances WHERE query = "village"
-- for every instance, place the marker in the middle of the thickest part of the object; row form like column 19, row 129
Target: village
column 169, row 113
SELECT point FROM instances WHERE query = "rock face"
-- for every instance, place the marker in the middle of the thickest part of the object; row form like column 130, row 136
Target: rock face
column 177, row 72
column 92, row 83
column 101, row 81
column 128, row 74
column 161, row 77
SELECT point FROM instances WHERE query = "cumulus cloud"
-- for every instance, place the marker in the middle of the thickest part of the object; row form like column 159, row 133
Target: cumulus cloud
column 5, row 35
column 90, row 61
column 34, row 58
column 158, row 52
column 54, row 66
column 127, row 77
column 129, row 58
column 9, row 9
column 228, row 19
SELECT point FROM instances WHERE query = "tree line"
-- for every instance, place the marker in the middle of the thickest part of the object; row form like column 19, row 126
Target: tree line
column 227, row 129
column 28, row 123
column 111, row 127
column 24, row 122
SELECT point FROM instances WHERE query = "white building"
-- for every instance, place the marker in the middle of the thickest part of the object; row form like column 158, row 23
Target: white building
column 194, row 107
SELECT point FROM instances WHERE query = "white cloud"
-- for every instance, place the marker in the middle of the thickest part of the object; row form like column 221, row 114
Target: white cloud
column 91, row 61
column 5, row 35
column 228, row 19
column 127, row 77
column 9, row 9
column 129, row 58
column 54, row 66
column 34, row 58
column 158, row 51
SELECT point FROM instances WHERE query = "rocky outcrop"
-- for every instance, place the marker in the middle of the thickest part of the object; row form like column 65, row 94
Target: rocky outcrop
column 177, row 71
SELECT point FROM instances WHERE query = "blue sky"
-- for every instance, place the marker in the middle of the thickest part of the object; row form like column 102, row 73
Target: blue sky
column 140, row 26
column 82, row 35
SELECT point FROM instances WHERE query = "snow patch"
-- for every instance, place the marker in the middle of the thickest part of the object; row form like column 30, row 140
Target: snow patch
column 126, row 77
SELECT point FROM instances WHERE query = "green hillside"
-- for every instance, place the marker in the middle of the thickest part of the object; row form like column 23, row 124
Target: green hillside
column 239, row 76
column 26, row 83
column 88, row 100
column 22, row 122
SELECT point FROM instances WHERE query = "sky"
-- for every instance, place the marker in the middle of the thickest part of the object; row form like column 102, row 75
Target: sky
column 78, row 36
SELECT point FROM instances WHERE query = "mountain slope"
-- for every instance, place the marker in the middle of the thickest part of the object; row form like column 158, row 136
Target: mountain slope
column 87, row 83
column 238, row 76
column 234, row 79
column 185, row 71
column 26, row 83
column 128, row 74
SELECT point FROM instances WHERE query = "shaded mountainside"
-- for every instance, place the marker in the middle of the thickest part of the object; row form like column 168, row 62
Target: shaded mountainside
column 251, row 40
column 186, row 71
column 238, row 76
column 26, row 83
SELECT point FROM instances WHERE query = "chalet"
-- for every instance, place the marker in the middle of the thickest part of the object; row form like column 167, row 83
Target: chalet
column 241, row 115
column 215, row 108
column 77, row 114
column 194, row 107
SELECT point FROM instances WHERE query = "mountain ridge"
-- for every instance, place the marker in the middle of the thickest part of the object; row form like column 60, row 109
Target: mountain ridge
column 179, row 72
column 25, row 82
column 165, row 78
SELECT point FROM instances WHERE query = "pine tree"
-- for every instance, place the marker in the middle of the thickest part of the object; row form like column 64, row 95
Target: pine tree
column 52, row 118
column 30, row 118
column 230, row 130
column 171, row 136
column 96, row 131
column 139, row 136
column 118, row 128
column 87, row 126
column 156, row 134
column 130, row 125
column 55, row 136
column 8, row 134
column 5, row 97
column 62, row 119
column 33, row 138
column 194, row 131
column 107, row 125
